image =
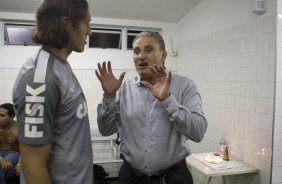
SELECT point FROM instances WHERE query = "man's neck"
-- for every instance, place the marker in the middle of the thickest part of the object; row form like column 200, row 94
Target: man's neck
column 60, row 53
column 6, row 125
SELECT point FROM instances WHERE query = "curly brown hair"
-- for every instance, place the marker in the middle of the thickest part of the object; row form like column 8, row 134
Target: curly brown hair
column 50, row 30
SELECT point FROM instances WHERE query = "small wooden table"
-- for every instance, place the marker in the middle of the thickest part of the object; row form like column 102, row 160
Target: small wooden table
column 194, row 162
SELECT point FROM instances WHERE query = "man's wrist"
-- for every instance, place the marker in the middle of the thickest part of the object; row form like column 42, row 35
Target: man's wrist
column 166, row 97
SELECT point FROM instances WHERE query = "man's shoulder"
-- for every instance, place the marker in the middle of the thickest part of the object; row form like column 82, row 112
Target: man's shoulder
column 181, row 77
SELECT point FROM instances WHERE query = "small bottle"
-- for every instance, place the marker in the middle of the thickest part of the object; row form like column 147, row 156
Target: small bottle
column 226, row 154
column 222, row 144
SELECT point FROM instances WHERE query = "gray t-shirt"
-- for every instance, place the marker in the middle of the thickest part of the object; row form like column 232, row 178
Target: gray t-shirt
column 51, row 109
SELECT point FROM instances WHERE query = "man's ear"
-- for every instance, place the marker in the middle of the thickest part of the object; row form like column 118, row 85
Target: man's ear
column 67, row 23
column 164, row 56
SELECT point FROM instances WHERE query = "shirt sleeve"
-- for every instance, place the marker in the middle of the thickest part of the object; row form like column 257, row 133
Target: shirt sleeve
column 186, row 112
column 35, row 104
column 108, row 116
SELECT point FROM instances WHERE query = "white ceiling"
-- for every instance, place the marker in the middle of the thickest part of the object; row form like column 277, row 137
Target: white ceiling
column 151, row 10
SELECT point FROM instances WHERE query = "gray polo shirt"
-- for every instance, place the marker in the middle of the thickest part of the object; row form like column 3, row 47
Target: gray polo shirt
column 154, row 133
column 51, row 109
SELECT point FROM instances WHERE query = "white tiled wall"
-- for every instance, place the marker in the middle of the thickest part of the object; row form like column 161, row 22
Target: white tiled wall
column 234, row 70
column 7, row 79
column 277, row 137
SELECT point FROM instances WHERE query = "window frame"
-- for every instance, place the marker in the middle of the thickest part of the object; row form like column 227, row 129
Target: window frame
column 123, row 45
column 6, row 36
column 101, row 30
column 126, row 31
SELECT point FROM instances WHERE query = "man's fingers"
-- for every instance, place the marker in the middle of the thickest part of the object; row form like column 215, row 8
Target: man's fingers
column 146, row 84
column 100, row 68
column 121, row 77
column 153, row 70
column 109, row 67
column 157, row 68
column 104, row 65
column 105, row 68
column 169, row 77
column 98, row 75
column 162, row 70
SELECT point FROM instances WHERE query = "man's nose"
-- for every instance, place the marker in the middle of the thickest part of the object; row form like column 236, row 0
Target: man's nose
column 141, row 55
